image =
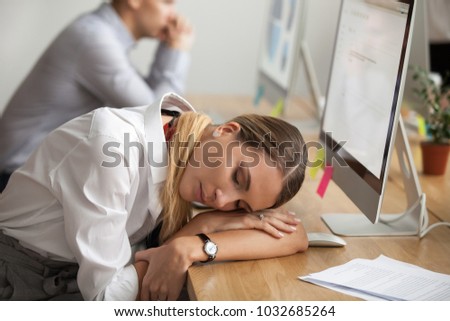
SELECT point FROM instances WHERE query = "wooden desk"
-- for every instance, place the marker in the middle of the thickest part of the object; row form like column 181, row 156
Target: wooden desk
column 276, row 279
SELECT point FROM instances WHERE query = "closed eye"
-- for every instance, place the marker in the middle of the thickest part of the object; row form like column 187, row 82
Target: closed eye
column 236, row 182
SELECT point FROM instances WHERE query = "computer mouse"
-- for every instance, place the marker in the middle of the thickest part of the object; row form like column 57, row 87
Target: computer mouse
column 325, row 240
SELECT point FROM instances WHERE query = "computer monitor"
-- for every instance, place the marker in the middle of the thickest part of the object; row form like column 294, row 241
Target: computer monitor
column 361, row 125
column 419, row 56
column 279, row 57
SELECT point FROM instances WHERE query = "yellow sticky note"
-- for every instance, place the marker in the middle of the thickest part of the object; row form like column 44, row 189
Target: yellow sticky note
column 278, row 109
column 319, row 163
column 421, row 126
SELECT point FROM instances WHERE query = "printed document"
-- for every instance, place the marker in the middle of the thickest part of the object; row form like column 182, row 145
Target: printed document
column 384, row 279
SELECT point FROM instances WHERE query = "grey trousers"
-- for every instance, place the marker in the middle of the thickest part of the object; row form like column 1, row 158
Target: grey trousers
column 26, row 275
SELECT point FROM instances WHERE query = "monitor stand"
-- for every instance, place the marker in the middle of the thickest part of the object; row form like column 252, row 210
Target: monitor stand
column 412, row 222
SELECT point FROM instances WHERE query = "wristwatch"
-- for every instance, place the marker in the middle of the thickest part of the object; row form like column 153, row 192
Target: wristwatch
column 209, row 247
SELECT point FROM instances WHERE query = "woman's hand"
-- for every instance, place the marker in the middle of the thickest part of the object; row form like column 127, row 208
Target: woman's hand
column 274, row 222
column 166, row 270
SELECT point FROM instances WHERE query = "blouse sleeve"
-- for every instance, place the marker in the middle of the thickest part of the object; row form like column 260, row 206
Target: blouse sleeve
column 94, row 198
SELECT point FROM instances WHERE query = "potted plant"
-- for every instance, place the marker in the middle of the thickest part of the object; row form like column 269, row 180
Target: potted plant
column 435, row 109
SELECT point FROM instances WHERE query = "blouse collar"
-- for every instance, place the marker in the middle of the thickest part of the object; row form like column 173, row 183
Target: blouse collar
column 158, row 156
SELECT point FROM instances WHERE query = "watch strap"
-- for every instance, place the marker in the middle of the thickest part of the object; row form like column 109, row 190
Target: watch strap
column 205, row 240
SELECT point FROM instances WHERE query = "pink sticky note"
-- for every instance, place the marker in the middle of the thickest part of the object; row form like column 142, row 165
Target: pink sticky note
column 326, row 178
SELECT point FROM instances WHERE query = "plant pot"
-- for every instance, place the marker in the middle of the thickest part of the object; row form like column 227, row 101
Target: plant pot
column 434, row 158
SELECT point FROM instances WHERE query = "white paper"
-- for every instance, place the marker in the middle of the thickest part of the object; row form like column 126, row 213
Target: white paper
column 384, row 278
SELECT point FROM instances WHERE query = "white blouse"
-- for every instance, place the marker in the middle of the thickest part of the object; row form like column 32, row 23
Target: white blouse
column 87, row 189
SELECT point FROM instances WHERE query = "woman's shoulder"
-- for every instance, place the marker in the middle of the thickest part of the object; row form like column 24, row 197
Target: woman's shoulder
column 117, row 121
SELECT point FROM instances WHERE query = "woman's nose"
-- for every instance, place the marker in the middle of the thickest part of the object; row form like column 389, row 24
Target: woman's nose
column 224, row 201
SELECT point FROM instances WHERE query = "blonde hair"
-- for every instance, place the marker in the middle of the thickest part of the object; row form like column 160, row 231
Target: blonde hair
column 176, row 211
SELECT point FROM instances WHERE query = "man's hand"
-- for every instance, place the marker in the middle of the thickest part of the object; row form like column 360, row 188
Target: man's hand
column 180, row 34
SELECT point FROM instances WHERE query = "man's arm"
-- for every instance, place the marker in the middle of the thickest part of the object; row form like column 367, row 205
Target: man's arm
column 169, row 71
column 105, row 70
column 172, row 59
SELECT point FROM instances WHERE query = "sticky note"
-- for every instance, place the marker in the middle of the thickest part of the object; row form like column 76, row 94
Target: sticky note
column 421, row 126
column 326, row 178
column 319, row 163
column 278, row 109
column 259, row 95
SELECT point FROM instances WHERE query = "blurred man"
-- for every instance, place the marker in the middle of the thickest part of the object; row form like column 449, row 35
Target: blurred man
column 87, row 66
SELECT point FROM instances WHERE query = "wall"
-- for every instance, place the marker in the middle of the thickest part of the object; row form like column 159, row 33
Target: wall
column 224, row 58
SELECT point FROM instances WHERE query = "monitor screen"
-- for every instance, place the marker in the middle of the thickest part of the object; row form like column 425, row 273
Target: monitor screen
column 365, row 87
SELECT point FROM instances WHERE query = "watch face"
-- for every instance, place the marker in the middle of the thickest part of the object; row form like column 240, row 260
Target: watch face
column 210, row 248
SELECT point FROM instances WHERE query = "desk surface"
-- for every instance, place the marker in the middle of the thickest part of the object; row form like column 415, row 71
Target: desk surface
column 276, row 279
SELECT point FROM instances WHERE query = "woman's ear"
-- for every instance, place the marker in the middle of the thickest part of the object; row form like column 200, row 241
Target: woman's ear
column 227, row 128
